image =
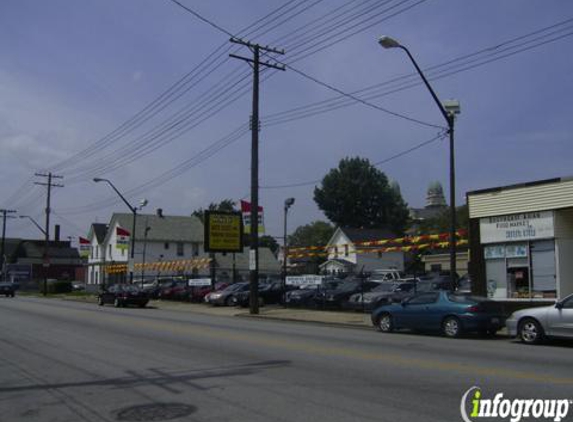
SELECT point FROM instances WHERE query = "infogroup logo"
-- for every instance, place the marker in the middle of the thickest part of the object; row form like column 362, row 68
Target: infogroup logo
column 474, row 406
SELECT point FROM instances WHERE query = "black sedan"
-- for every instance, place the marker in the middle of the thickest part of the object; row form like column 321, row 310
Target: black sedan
column 334, row 298
column 7, row 289
column 386, row 292
column 122, row 295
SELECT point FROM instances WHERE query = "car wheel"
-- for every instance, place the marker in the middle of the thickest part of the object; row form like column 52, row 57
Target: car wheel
column 117, row 303
column 530, row 331
column 385, row 323
column 229, row 301
column 142, row 305
column 452, row 327
column 100, row 301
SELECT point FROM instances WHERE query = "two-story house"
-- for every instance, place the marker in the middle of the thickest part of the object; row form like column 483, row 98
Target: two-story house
column 347, row 252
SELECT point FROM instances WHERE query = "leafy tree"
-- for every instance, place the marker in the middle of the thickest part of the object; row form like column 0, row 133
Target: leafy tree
column 441, row 223
column 269, row 242
column 224, row 205
column 357, row 194
column 317, row 233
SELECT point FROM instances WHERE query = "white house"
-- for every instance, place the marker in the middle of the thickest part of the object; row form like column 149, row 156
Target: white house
column 96, row 257
column 346, row 253
column 158, row 238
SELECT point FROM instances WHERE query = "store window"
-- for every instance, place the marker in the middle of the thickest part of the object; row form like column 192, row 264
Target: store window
column 521, row 270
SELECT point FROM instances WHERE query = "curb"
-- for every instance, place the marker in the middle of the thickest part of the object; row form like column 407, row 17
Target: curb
column 304, row 321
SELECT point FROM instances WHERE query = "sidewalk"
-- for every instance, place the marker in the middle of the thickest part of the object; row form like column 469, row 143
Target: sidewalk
column 352, row 319
column 348, row 319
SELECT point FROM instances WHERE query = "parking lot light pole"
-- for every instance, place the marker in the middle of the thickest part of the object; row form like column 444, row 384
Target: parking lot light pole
column 134, row 211
column 288, row 203
column 448, row 109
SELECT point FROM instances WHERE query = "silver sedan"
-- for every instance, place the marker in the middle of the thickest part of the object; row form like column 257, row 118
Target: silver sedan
column 532, row 325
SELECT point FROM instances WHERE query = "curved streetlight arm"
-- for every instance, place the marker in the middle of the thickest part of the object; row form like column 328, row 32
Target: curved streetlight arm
column 132, row 209
column 35, row 223
column 447, row 116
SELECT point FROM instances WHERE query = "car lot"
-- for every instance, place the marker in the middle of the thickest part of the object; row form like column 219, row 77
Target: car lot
column 425, row 306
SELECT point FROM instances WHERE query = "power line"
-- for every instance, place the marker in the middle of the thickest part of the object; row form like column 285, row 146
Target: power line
column 439, row 136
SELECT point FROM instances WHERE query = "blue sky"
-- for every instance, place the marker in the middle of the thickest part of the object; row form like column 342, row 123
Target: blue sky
column 71, row 72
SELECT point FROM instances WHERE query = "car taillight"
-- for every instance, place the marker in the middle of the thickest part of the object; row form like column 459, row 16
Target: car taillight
column 474, row 308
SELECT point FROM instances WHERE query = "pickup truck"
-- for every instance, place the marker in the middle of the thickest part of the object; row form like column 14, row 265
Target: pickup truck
column 7, row 289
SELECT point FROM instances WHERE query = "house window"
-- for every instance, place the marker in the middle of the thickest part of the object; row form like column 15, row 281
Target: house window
column 96, row 252
column 345, row 250
column 180, row 250
column 123, row 252
column 166, row 246
column 109, row 251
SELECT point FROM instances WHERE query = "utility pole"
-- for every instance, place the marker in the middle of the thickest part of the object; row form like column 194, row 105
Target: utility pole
column 49, row 185
column 5, row 215
column 255, row 63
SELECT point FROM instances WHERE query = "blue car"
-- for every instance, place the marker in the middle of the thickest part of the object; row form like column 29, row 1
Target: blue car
column 444, row 311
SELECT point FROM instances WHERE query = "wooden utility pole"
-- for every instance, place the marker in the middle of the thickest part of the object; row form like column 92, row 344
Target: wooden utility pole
column 49, row 185
column 255, row 63
column 3, row 251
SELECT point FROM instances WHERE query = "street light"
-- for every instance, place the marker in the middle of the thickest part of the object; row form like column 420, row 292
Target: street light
column 288, row 203
column 35, row 223
column 134, row 211
column 449, row 109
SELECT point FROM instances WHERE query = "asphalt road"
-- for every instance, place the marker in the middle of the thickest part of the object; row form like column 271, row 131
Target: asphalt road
column 66, row 361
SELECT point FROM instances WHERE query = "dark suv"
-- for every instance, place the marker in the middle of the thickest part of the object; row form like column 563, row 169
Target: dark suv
column 7, row 289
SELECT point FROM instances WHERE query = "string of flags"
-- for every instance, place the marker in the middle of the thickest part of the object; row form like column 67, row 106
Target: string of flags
column 179, row 265
column 401, row 244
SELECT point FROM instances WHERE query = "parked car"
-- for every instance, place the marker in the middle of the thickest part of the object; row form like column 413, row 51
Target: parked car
column 177, row 290
column 533, row 325
column 225, row 297
column 78, row 286
column 122, row 295
column 386, row 292
column 385, row 275
column 442, row 311
column 269, row 293
column 305, row 295
column 198, row 293
column 336, row 296
column 7, row 289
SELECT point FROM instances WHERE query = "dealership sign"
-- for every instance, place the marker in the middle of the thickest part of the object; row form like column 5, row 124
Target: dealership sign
column 223, row 231
column 304, row 280
column 517, row 227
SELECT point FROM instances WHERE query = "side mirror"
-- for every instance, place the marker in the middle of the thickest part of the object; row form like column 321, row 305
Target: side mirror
column 559, row 305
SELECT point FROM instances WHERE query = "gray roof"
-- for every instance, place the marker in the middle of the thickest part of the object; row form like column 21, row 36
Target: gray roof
column 164, row 228
column 100, row 230
column 59, row 249
column 267, row 260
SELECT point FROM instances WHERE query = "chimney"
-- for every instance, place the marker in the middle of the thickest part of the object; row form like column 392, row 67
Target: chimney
column 160, row 212
column 57, row 233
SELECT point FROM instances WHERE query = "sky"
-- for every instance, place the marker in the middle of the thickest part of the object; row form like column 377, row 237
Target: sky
column 143, row 93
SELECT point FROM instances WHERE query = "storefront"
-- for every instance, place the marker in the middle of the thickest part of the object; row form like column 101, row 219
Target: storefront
column 521, row 240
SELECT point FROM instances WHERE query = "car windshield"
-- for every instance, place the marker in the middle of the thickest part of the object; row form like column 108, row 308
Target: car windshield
column 234, row 287
column 128, row 288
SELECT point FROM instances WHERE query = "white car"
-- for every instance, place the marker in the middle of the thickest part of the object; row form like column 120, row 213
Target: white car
column 532, row 325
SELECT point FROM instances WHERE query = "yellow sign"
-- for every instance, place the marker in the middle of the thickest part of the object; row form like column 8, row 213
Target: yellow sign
column 223, row 231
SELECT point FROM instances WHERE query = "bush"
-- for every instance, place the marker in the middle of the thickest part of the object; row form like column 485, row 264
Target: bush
column 56, row 286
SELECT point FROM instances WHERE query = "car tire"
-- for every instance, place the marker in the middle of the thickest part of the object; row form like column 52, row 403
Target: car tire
column 452, row 327
column 142, row 305
column 229, row 301
column 100, row 301
column 530, row 331
column 117, row 303
column 385, row 324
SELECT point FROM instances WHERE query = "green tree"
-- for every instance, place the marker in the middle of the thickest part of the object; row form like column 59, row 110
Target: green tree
column 270, row 242
column 317, row 233
column 224, row 205
column 357, row 194
column 441, row 223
